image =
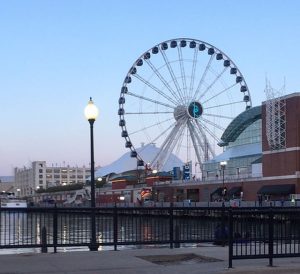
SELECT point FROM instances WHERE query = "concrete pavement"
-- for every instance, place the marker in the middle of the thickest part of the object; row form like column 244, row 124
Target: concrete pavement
column 201, row 259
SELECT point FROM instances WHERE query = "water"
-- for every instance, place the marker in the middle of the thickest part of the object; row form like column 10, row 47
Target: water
column 138, row 231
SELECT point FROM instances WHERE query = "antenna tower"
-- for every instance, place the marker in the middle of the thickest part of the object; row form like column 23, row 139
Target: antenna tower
column 275, row 117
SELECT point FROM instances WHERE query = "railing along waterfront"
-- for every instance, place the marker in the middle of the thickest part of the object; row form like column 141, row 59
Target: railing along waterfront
column 257, row 232
column 264, row 233
column 115, row 226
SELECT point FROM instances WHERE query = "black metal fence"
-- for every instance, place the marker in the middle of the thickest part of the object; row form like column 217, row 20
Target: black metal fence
column 249, row 232
column 59, row 227
column 264, row 233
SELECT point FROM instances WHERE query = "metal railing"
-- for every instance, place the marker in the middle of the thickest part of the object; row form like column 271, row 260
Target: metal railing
column 61, row 227
column 260, row 232
column 264, row 233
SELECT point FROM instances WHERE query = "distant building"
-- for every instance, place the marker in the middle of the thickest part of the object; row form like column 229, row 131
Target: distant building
column 7, row 184
column 39, row 175
column 242, row 143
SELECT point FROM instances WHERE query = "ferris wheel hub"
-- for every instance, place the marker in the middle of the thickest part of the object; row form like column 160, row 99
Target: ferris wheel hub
column 195, row 110
column 179, row 112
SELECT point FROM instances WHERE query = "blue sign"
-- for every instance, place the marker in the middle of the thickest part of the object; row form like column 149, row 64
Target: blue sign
column 176, row 173
column 186, row 172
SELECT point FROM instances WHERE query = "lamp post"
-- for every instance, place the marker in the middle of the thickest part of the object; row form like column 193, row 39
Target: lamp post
column 91, row 113
column 223, row 166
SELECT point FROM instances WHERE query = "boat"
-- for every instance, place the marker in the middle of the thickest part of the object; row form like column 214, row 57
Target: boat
column 13, row 203
column 9, row 200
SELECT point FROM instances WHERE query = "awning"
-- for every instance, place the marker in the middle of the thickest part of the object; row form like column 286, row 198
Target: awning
column 277, row 189
column 217, row 191
column 236, row 190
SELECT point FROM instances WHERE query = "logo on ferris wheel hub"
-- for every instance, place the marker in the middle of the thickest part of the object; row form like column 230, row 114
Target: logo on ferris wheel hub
column 195, row 109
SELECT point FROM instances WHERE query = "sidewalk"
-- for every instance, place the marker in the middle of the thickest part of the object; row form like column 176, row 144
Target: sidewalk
column 203, row 259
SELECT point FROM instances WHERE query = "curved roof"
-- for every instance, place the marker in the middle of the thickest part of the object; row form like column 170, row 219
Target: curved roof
column 239, row 124
column 238, row 151
column 126, row 163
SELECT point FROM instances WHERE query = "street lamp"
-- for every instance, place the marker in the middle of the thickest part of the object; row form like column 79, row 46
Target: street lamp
column 223, row 166
column 91, row 113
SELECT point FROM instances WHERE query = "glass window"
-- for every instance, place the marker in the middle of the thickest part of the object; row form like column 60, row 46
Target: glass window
column 250, row 135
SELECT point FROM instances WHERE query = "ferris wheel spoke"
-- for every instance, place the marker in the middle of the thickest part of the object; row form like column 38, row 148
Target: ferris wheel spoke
column 171, row 73
column 215, row 125
column 195, row 142
column 219, row 93
column 151, row 126
column 212, row 83
column 207, row 146
column 218, row 116
column 203, row 77
column 223, row 105
column 163, row 80
column 150, row 100
column 168, row 145
column 149, row 112
column 179, row 144
column 193, row 72
column 172, row 145
column 209, row 131
column 170, row 99
column 153, row 141
column 182, row 71
column 154, row 163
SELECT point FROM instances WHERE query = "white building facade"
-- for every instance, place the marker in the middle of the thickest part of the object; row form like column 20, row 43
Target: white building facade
column 39, row 175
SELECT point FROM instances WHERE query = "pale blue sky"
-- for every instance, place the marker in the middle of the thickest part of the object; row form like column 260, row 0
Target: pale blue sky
column 55, row 54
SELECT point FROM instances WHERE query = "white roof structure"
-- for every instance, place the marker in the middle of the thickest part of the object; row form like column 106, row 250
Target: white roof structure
column 147, row 152
column 238, row 151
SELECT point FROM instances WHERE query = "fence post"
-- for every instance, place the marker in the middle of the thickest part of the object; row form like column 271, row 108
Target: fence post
column 230, row 239
column 55, row 228
column 44, row 248
column 115, row 224
column 223, row 227
column 271, row 235
column 171, row 225
column 177, row 236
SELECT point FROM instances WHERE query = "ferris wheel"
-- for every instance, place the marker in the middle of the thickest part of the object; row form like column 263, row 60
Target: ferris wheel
column 180, row 95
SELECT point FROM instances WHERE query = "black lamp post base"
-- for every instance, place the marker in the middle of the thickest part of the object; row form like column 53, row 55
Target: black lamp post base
column 93, row 246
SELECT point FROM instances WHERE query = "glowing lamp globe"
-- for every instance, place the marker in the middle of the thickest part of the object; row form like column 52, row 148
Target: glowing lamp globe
column 223, row 164
column 91, row 111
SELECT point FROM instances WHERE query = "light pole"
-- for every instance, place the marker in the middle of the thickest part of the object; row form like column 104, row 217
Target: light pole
column 91, row 114
column 223, row 166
